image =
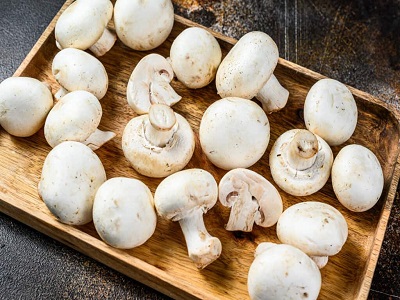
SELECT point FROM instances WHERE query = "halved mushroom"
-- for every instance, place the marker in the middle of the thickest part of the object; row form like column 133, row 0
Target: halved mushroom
column 252, row 198
column 300, row 162
column 184, row 197
column 149, row 84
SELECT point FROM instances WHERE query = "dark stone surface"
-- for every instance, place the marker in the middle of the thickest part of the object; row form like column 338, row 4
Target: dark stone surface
column 356, row 42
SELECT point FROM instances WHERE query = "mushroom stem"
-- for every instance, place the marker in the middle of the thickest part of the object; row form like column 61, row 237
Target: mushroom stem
column 320, row 261
column 162, row 125
column 302, row 150
column 161, row 91
column 273, row 96
column 203, row 248
column 60, row 93
column 98, row 138
column 105, row 43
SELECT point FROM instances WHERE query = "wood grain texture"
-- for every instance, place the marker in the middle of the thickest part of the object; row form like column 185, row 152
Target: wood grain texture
column 162, row 262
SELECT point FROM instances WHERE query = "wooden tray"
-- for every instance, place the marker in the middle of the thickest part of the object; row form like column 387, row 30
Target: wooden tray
column 162, row 262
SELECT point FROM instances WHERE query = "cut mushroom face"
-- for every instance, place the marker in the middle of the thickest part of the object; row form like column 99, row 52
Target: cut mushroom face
column 300, row 162
column 24, row 105
column 158, row 144
column 252, row 198
column 83, row 25
column 76, row 118
column 77, row 70
column 149, row 84
column 184, row 197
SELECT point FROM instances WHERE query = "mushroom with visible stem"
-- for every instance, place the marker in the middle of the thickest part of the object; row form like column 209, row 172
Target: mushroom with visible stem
column 184, row 197
column 300, row 162
column 83, row 25
column 252, row 198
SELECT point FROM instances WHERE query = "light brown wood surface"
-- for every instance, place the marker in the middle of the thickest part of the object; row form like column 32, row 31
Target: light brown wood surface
column 162, row 262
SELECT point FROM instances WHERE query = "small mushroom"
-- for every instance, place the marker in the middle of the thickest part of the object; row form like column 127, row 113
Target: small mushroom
column 316, row 228
column 149, row 84
column 300, row 162
column 357, row 178
column 252, row 198
column 83, row 25
column 282, row 271
column 248, row 67
column 77, row 70
column 70, row 177
column 143, row 25
column 184, row 197
column 195, row 56
column 330, row 111
column 24, row 105
column 75, row 117
column 234, row 133
column 123, row 212
column 158, row 144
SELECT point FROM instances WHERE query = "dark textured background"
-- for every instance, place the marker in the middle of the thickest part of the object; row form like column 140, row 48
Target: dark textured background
column 356, row 42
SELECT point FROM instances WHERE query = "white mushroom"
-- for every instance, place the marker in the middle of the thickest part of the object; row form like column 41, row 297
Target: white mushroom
column 143, row 25
column 123, row 212
column 252, row 198
column 71, row 175
column 75, row 117
column 184, row 197
column 282, row 271
column 357, row 178
column 248, row 67
column 234, row 133
column 83, row 25
column 330, row 111
column 77, row 70
column 300, row 162
column 24, row 105
column 158, row 144
column 316, row 228
column 149, row 84
column 195, row 56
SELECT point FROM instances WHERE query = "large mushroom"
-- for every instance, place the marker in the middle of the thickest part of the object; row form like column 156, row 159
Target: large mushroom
column 184, row 197
column 252, row 198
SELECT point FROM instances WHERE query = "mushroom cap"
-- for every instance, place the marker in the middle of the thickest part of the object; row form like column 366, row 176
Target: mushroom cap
column 314, row 227
column 143, row 25
column 71, row 175
column 82, row 23
column 78, row 70
column 73, row 118
column 330, row 111
column 357, row 178
column 283, row 272
column 299, row 182
column 123, row 212
column 247, row 66
column 195, row 56
column 24, row 105
column 234, row 133
column 184, row 191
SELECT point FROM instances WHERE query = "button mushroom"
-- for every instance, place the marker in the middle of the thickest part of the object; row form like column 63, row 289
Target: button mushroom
column 248, row 67
column 24, row 105
column 77, row 70
column 83, row 25
column 316, row 228
column 149, row 84
column 143, row 25
column 252, row 198
column 75, row 117
column 357, row 178
column 234, row 133
column 158, row 144
column 123, row 212
column 282, row 271
column 184, row 197
column 300, row 162
column 330, row 111
column 195, row 56
column 70, row 177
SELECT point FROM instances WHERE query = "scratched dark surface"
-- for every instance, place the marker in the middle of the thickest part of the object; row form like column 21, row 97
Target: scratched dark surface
column 355, row 42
